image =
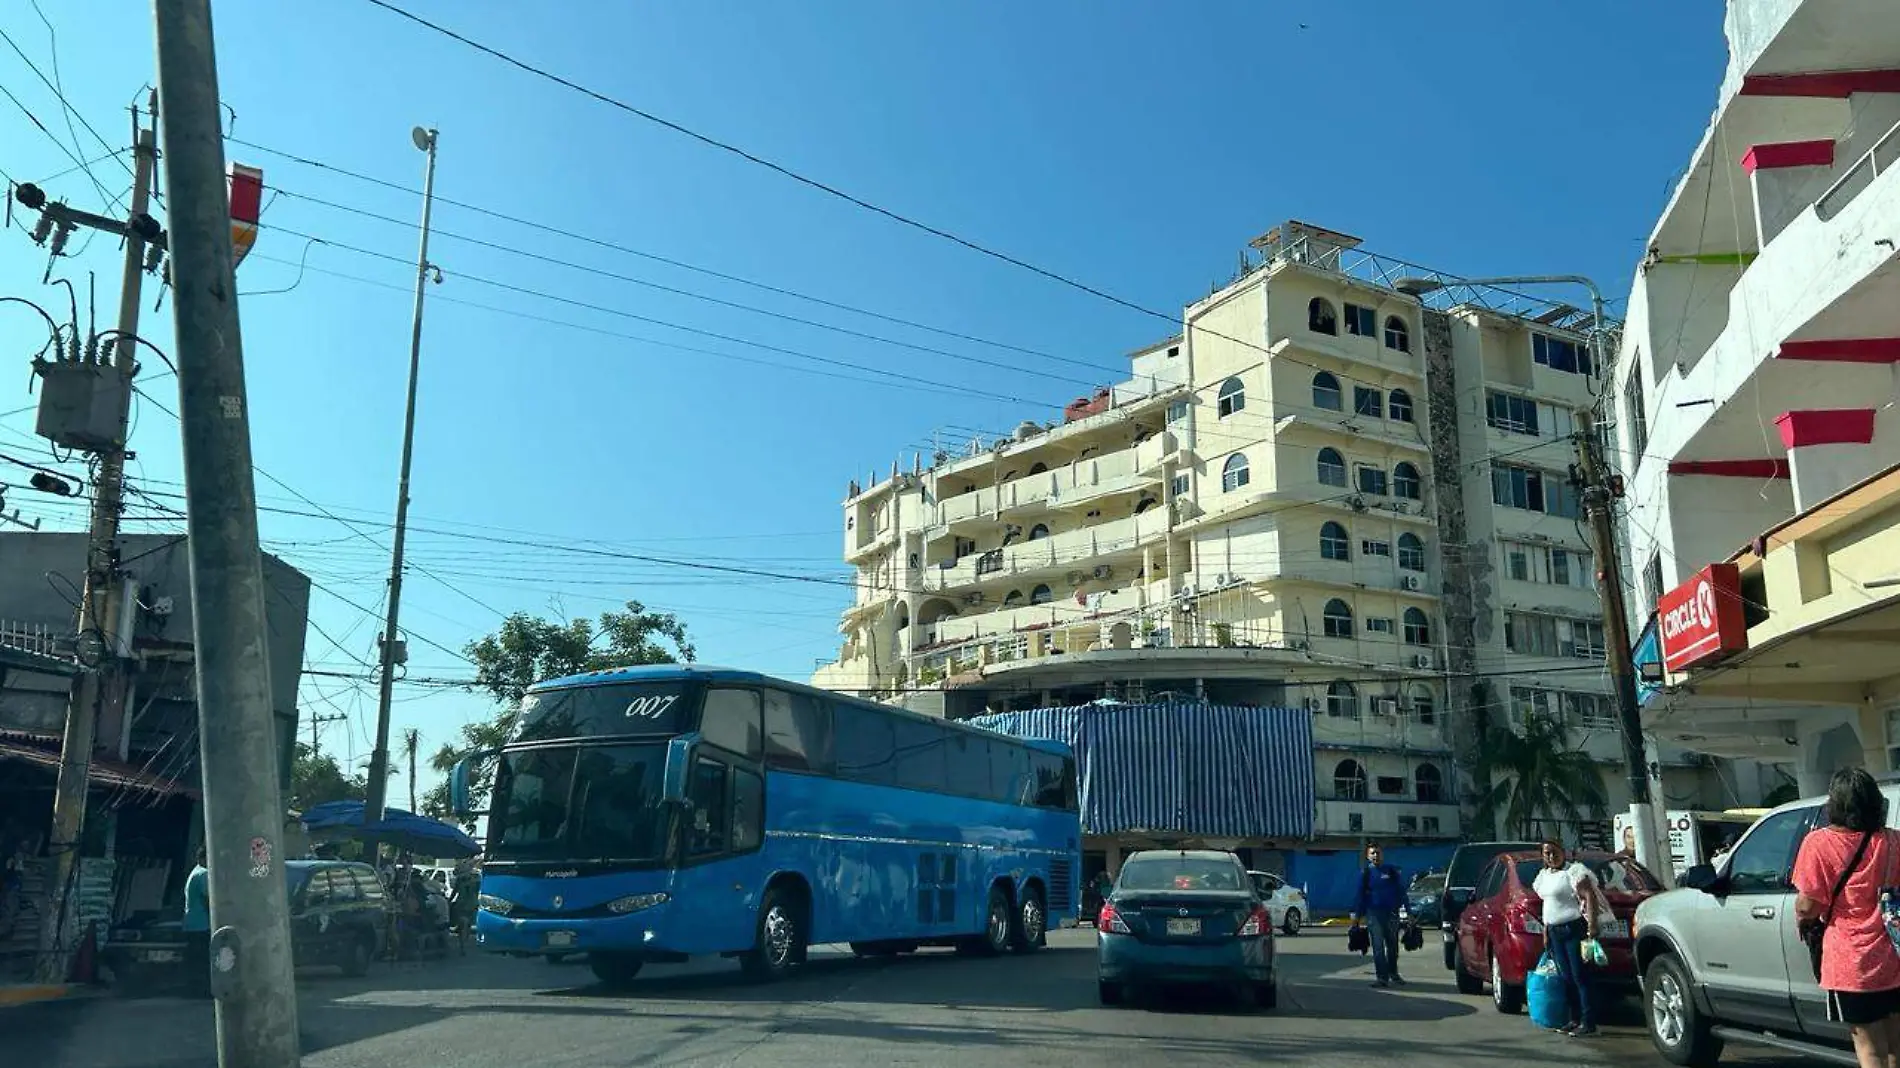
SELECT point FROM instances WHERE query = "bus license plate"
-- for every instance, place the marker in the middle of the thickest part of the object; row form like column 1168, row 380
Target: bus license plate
column 1184, row 927
column 560, row 939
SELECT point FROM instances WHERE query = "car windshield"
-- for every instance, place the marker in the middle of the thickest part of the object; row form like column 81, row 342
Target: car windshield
column 579, row 803
column 1470, row 861
column 1179, row 873
column 1614, row 874
column 605, row 711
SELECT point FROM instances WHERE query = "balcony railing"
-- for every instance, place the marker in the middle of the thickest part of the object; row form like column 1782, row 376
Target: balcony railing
column 1874, row 162
column 1073, row 549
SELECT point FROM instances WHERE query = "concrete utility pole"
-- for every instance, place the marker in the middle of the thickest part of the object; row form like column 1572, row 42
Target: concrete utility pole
column 393, row 652
column 316, row 725
column 98, row 605
column 244, row 809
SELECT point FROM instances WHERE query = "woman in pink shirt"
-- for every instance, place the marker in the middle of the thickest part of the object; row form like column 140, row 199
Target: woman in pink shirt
column 1859, row 968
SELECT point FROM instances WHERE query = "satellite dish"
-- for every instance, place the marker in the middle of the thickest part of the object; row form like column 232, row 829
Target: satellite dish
column 424, row 139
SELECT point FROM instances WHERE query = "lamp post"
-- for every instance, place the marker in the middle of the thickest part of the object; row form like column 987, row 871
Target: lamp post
column 1596, row 500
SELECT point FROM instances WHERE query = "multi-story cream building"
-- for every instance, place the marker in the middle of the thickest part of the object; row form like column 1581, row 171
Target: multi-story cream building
column 1755, row 389
column 1325, row 492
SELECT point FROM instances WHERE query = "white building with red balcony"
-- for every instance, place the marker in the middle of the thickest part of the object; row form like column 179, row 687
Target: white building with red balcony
column 1758, row 374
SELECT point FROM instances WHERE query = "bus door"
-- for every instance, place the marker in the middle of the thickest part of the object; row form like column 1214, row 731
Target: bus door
column 722, row 826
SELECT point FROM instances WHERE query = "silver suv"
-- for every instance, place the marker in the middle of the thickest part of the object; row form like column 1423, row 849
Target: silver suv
column 1720, row 960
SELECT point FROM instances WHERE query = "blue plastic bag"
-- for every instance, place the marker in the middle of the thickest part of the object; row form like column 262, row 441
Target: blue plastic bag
column 1544, row 995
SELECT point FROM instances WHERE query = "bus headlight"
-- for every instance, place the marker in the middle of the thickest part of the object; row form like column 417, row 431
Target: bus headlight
column 496, row 905
column 634, row 903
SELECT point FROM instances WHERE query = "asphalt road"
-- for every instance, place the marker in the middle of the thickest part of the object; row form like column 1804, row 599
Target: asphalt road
column 930, row 1009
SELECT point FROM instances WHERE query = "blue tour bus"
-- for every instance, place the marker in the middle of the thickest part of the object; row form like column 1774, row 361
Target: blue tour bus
column 654, row 813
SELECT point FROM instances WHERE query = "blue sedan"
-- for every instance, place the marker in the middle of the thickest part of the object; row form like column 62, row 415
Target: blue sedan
column 1185, row 917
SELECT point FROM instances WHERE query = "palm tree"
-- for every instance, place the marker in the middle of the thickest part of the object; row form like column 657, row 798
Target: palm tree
column 411, row 742
column 1534, row 772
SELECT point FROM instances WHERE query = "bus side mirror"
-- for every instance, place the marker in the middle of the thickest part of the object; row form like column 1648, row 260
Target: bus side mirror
column 459, row 779
column 679, row 757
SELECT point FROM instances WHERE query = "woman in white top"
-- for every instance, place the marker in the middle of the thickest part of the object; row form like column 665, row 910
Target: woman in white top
column 1572, row 902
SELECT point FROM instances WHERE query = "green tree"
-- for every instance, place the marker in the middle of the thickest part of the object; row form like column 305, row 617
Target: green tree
column 528, row 649
column 1534, row 772
column 316, row 778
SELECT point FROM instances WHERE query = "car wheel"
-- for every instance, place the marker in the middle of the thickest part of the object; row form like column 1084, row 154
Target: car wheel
column 1677, row 1027
column 614, row 969
column 1030, row 923
column 1267, row 995
column 1507, row 998
column 1291, row 925
column 780, row 941
column 1467, row 982
column 357, row 956
column 1451, row 959
column 1109, row 993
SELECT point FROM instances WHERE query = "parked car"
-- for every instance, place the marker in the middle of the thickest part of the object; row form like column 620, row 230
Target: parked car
column 1185, row 917
column 1501, row 933
column 337, row 914
column 1721, row 961
column 1286, row 903
column 1423, row 899
column 1468, row 862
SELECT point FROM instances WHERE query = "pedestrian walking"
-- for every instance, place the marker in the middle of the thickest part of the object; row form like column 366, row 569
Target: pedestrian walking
column 1572, row 903
column 1381, row 895
column 197, row 929
column 1838, row 878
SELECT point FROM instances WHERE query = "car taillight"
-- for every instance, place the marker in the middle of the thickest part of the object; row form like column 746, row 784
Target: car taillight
column 1257, row 924
column 1111, row 921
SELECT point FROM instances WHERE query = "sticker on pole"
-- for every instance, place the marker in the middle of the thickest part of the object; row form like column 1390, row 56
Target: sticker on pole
column 260, row 857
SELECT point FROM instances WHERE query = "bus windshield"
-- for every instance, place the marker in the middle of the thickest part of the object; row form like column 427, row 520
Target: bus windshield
column 599, row 803
column 606, row 711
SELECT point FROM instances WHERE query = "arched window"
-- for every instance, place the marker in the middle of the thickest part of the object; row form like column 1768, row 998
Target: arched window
column 1336, row 621
column 1232, row 398
column 1349, row 781
column 1342, row 701
column 1014, row 599
column 1333, row 542
column 1038, row 532
column 1144, row 504
column 1038, row 468
column 1397, row 336
column 1332, row 467
column 1431, row 784
column 1405, row 482
column 1424, row 705
column 1411, row 552
column 903, row 616
column 1399, row 404
column 1233, row 473
column 1041, row 595
column 1418, row 629
column 1326, row 394
column 1320, row 318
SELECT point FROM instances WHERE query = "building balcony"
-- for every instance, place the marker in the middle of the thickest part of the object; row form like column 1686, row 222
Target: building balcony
column 1385, row 818
column 1359, row 429
column 1366, row 354
column 1080, row 482
column 1072, row 550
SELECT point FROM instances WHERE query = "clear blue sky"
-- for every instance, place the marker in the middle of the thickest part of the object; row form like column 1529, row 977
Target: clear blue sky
column 1135, row 146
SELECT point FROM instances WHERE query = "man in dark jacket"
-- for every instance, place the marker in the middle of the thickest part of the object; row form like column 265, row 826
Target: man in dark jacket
column 1381, row 894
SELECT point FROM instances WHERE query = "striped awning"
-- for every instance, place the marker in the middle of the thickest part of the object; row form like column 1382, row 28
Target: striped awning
column 1214, row 771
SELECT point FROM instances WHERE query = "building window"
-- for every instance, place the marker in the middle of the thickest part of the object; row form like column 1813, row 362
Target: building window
column 1041, row 595
column 1375, row 548
column 1418, row 629
column 1539, row 635
column 1177, row 412
column 1014, row 599
column 1361, row 321
column 1510, row 412
column 1406, row 483
column 1634, row 415
column 1399, row 404
column 1233, row 474
column 1569, row 567
column 1431, row 825
column 1367, row 401
column 1653, row 580
column 1424, row 705
column 1336, row 621
column 1517, row 561
column 1342, row 701
column 1320, row 318
column 1411, row 552
column 1332, row 468
column 1391, row 785
column 1333, row 542
column 1517, row 487
column 1326, row 394
column 1232, row 398
column 1397, row 337
column 1178, row 485
column 1038, row 532
column 1372, row 480
column 1144, row 504
column 1559, row 354
column 1349, row 778
column 1431, row 784
column 1380, row 625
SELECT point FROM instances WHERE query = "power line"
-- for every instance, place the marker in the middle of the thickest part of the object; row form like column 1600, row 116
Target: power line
column 70, row 112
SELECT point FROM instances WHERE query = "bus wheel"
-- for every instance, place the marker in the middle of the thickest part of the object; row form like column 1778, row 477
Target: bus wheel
column 780, row 939
column 1031, row 922
column 1000, row 924
column 614, row 969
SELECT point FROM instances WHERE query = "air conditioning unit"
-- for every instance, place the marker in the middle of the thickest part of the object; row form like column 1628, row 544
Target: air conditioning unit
column 1414, row 583
column 1188, row 590
column 1422, row 660
column 1312, row 704
column 1357, row 504
column 1103, row 571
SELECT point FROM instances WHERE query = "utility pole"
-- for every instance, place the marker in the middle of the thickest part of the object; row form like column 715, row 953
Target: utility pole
column 98, row 604
column 244, row 809
column 316, row 724
column 394, row 652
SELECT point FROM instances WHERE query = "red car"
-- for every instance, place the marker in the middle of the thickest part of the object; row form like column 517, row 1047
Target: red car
column 1501, row 932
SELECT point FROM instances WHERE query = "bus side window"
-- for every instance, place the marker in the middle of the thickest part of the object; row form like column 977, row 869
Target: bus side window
column 731, row 722
column 797, row 732
column 711, row 816
column 748, row 810
column 864, row 744
column 918, row 755
column 1009, row 772
column 1049, row 780
column 967, row 765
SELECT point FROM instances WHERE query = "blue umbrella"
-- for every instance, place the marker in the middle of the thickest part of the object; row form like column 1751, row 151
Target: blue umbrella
column 403, row 830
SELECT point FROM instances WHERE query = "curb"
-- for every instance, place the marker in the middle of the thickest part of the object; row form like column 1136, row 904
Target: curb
column 31, row 994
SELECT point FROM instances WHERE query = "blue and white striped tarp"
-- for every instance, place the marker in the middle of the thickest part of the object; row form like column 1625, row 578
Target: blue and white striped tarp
column 1213, row 771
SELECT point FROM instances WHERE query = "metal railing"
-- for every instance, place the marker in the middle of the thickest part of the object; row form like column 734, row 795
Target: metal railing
column 1855, row 180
